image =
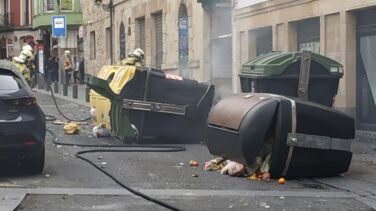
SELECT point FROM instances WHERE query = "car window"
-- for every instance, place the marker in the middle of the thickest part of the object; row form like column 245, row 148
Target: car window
column 9, row 82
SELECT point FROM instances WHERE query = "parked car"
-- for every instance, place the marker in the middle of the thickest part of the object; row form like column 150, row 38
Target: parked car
column 22, row 122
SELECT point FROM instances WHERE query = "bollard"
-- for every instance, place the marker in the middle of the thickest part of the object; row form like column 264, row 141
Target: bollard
column 47, row 86
column 87, row 94
column 74, row 91
column 56, row 87
column 65, row 90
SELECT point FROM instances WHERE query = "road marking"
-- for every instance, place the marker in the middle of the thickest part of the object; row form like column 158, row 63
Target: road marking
column 175, row 192
column 9, row 201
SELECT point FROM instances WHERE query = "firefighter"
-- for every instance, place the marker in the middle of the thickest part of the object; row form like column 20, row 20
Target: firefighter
column 20, row 63
column 28, row 53
column 136, row 58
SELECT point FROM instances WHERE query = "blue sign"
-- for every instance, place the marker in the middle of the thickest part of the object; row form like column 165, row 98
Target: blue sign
column 59, row 26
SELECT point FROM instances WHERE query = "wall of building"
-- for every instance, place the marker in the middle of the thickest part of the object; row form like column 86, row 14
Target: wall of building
column 337, row 34
column 127, row 12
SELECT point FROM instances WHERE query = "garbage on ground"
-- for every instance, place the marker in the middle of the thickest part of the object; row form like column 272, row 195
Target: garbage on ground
column 72, row 128
column 193, row 163
column 101, row 131
column 215, row 164
column 60, row 122
column 281, row 181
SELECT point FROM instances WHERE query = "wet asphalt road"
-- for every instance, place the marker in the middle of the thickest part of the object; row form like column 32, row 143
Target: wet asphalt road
column 68, row 183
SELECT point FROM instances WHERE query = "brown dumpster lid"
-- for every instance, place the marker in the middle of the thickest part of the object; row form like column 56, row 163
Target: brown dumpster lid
column 230, row 112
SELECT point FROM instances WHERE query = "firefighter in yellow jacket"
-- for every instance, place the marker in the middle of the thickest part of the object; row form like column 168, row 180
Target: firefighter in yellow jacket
column 20, row 63
column 136, row 58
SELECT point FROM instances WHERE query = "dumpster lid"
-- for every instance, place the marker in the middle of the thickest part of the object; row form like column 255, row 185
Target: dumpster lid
column 100, row 86
column 233, row 118
column 276, row 62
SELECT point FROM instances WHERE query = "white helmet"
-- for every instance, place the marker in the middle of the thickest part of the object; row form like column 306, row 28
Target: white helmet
column 139, row 53
column 28, row 54
column 27, row 48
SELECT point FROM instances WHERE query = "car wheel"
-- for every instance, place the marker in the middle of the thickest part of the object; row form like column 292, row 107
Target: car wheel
column 35, row 164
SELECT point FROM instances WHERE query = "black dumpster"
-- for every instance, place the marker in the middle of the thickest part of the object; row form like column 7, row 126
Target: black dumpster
column 309, row 140
column 279, row 72
column 153, row 106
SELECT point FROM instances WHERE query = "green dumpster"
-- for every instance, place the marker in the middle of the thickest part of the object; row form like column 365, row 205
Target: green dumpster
column 278, row 73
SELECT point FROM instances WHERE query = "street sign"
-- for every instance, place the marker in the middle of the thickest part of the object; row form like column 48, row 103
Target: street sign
column 59, row 26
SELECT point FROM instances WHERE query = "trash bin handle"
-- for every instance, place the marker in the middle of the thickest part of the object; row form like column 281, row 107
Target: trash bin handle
column 203, row 96
column 293, row 130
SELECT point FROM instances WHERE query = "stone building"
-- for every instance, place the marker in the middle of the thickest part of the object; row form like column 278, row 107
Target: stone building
column 170, row 33
column 343, row 30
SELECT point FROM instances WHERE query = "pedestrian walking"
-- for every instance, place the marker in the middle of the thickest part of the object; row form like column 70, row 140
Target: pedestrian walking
column 67, row 66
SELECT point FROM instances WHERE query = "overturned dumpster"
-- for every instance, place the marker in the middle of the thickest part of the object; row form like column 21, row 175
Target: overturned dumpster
column 315, row 77
column 308, row 139
column 150, row 106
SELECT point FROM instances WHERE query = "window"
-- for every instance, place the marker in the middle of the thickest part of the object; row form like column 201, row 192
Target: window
column 309, row 35
column 25, row 13
column 108, row 42
column 158, row 40
column 36, row 7
column 183, row 39
column 49, row 5
column 264, row 40
column 141, row 33
column 92, row 45
column 8, row 82
column 66, row 5
column 122, row 40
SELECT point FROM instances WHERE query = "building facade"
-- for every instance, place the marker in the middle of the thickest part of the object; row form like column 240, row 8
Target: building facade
column 169, row 32
column 15, row 27
column 43, row 12
column 342, row 30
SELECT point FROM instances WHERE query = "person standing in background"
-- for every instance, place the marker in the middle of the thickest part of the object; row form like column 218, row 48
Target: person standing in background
column 67, row 66
column 76, row 70
column 82, row 70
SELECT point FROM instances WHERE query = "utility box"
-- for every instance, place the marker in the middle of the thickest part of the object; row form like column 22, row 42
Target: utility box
column 149, row 105
column 308, row 139
column 278, row 73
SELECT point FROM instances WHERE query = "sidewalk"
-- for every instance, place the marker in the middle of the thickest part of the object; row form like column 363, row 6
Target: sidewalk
column 81, row 93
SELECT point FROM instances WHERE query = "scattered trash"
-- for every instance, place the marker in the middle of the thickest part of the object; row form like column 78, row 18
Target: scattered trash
column 194, row 175
column 193, row 163
column 71, row 128
column 104, row 163
column 58, row 146
column 100, row 158
column 281, row 181
column 58, row 122
column 230, row 207
column 182, row 164
column 101, row 131
column 233, row 168
column 362, row 153
column 215, row 164
column 47, row 175
column 263, row 204
column 281, row 197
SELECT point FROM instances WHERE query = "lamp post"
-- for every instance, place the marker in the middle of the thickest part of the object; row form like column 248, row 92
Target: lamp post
column 108, row 8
